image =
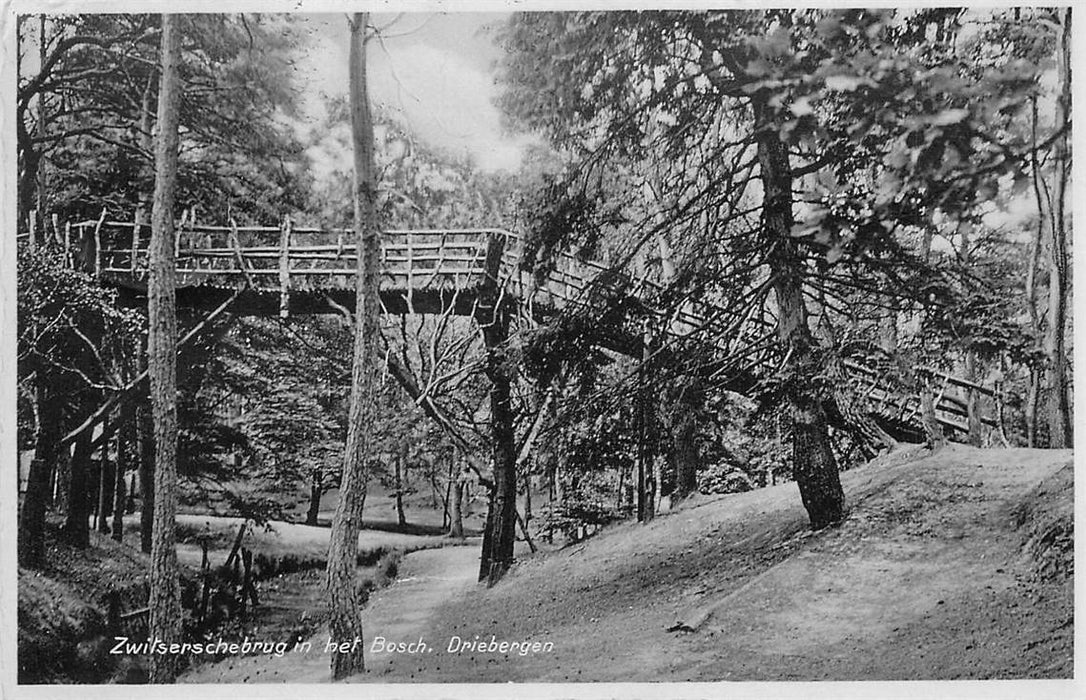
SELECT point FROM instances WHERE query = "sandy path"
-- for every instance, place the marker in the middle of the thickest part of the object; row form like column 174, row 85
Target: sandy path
column 427, row 580
column 402, row 613
column 925, row 580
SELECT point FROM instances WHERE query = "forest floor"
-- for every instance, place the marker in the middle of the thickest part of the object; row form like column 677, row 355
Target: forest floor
column 957, row 565
column 63, row 637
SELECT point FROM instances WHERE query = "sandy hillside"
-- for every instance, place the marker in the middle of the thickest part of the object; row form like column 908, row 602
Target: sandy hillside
column 949, row 566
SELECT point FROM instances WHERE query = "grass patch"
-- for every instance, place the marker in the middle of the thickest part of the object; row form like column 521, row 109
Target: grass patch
column 383, row 573
column 1046, row 518
column 53, row 619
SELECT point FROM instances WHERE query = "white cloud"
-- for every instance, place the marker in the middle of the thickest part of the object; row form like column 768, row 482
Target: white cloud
column 439, row 88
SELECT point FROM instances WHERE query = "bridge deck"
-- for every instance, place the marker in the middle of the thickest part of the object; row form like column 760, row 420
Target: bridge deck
column 295, row 270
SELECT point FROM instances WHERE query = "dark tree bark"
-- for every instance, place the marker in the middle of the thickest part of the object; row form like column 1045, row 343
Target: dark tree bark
column 685, row 455
column 76, row 523
column 401, row 460
column 165, row 601
column 646, row 450
column 456, row 519
column 62, row 476
column 316, row 490
column 106, row 478
column 345, row 613
column 125, row 445
column 684, row 447
column 813, row 463
column 145, row 453
column 42, row 469
column 499, row 535
column 28, row 178
column 120, row 493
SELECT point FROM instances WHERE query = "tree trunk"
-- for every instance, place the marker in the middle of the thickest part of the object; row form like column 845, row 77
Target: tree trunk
column 315, row 491
column 499, row 535
column 36, row 499
column 498, row 541
column 1058, row 408
column 1033, row 400
column 934, row 436
column 165, row 601
column 106, row 478
column 814, row 466
column 76, row 525
column 145, row 453
column 62, row 477
column 146, row 142
column 28, row 181
column 646, row 452
column 456, row 524
column 43, row 175
column 527, row 498
column 400, row 459
column 124, row 457
column 1032, row 268
column 976, row 426
column 888, row 339
column 345, row 617
column 972, row 401
column 685, row 455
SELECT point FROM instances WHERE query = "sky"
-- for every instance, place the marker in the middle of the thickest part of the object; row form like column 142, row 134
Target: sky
column 435, row 70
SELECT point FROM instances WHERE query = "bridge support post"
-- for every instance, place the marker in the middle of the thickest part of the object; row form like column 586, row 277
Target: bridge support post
column 284, row 268
column 493, row 316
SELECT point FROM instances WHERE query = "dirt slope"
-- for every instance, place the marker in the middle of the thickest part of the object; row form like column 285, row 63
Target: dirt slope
column 929, row 578
column 956, row 565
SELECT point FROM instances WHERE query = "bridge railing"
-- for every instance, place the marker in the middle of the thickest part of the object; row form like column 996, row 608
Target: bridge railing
column 279, row 257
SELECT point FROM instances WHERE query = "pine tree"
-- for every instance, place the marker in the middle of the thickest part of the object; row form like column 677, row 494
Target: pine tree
column 346, row 623
column 165, row 601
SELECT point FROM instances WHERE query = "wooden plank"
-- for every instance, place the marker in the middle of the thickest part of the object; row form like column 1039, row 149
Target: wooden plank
column 322, row 271
column 469, row 252
column 331, row 255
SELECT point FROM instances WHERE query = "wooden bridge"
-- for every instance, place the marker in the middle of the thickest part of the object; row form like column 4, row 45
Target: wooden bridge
column 283, row 270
